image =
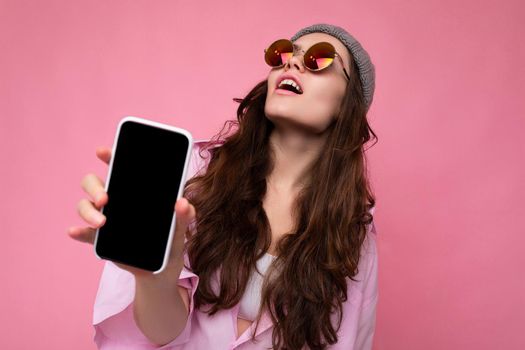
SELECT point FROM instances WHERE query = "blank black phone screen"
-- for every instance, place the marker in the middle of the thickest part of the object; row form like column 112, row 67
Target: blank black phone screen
column 142, row 190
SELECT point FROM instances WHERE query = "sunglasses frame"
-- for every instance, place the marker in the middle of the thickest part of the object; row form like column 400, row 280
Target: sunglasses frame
column 336, row 54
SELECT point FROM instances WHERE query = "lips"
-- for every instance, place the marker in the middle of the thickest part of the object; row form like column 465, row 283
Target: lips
column 288, row 87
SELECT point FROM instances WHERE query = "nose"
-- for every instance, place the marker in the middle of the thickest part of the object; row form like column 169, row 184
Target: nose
column 295, row 61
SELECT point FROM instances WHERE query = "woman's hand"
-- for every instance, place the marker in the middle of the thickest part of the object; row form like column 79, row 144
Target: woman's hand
column 89, row 210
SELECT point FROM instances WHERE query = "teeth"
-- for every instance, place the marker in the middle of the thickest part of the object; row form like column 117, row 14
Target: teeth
column 290, row 82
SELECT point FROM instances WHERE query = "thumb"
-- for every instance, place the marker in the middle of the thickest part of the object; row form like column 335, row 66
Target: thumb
column 184, row 214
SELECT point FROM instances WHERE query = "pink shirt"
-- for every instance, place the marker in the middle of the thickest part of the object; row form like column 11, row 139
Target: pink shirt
column 115, row 327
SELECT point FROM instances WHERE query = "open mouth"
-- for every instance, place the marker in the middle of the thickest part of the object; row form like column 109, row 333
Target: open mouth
column 290, row 85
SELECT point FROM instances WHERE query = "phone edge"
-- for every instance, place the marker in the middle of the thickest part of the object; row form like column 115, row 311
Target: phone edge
column 189, row 137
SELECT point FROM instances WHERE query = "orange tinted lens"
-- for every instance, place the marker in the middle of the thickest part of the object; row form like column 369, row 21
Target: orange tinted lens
column 319, row 56
column 279, row 53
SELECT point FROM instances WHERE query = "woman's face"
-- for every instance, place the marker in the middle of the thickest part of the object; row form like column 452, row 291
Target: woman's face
column 316, row 108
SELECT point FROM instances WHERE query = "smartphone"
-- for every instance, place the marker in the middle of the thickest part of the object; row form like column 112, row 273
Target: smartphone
column 146, row 176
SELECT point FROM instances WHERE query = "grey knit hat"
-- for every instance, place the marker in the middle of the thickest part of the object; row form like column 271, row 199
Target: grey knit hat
column 361, row 57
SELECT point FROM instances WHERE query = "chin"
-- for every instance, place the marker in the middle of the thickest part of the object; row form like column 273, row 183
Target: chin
column 279, row 110
column 279, row 114
column 284, row 122
column 282, row 115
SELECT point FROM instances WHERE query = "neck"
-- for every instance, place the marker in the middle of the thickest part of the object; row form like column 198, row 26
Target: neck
column 294, row 153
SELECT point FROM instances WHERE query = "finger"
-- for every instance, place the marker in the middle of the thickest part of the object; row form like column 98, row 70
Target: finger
column 185, row 212
column 192, row 213
column 94, row 187
column 90, row 214
column 104, row 154
column 82, row 234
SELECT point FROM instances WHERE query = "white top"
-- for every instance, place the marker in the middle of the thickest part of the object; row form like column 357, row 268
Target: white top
column 251, row 300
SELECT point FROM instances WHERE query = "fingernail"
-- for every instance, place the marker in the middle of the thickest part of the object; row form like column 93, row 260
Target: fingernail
column 98, row 218
column 100, row 196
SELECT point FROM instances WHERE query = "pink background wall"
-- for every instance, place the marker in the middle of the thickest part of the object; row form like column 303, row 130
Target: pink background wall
column 448, row 171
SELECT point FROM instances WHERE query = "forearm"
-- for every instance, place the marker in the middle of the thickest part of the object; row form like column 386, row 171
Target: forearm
column 159, row 310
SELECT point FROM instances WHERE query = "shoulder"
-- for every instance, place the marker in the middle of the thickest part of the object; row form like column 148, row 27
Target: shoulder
column 358, row 323
column 366, row 278
column 369, row 248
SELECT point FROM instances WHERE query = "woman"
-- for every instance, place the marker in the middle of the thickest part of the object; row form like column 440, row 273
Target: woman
column 273, row 245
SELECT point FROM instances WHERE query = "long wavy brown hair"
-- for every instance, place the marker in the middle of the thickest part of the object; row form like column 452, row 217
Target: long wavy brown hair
column 304, row 289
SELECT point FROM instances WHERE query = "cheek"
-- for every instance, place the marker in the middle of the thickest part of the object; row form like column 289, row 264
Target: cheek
column 272, row 79
column 326, row 100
